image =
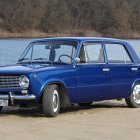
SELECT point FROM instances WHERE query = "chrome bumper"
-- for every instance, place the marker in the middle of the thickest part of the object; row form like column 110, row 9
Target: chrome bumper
column 17, row 97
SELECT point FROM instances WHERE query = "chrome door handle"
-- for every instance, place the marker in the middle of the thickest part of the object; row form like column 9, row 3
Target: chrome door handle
column 106, row 69
column 134, row 69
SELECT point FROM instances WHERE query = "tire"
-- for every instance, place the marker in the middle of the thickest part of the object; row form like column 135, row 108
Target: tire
column 133, row 100
column 51, row 101
column 85, row 104
column 1, row 107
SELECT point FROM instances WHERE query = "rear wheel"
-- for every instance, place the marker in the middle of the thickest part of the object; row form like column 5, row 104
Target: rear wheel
column 134, row 99
column 85, row 104
column 1, row 107
column 51, row 101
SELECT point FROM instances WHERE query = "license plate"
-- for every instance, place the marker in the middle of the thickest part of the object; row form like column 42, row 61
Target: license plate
column 3, row 102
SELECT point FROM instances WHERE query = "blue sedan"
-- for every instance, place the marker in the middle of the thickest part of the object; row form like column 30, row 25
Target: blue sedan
column 58, row 72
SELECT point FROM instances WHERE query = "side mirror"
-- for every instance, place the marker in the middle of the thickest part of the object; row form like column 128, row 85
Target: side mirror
column 77, row 60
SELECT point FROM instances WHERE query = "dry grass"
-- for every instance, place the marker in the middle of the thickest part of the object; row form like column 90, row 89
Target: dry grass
column 38, row 34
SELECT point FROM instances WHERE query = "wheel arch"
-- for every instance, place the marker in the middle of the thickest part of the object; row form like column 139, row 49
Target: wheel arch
column 63, row 90
column 133, row 84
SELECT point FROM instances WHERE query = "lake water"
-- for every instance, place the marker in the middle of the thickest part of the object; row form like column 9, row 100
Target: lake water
column 11, row 49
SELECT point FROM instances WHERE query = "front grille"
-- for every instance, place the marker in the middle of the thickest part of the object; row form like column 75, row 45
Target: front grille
column 9, row 82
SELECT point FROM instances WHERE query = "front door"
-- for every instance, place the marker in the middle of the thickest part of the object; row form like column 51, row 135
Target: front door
column 93, row 76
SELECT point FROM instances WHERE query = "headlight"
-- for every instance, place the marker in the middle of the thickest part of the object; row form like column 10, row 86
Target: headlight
column 24, row 82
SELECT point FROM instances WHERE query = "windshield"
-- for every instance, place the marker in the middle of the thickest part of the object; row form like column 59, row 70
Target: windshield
column 49, row 52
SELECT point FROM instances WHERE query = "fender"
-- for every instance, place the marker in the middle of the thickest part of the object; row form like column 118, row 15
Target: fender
column 133, row 84
column 51, row 81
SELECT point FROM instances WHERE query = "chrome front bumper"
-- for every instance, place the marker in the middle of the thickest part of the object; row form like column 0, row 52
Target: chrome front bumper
column 13, row 97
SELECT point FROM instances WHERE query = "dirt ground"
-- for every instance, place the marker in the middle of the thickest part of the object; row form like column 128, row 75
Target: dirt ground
column 111, row 120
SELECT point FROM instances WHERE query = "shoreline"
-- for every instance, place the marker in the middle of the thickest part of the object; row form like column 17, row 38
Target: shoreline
column 13, row 38
column 38, row 34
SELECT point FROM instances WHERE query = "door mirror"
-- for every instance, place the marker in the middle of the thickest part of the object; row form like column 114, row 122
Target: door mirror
column 77, row 60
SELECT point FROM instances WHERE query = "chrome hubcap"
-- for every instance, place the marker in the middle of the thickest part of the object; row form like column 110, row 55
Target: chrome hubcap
column 136, row 94
column 55, row 101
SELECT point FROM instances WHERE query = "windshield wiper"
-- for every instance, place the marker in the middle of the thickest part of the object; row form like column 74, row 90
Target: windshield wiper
column 46, row 60
column 40, row 58
column 58, row 62
column 22, row 59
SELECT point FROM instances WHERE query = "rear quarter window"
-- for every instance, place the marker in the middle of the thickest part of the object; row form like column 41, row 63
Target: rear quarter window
column 117, row 53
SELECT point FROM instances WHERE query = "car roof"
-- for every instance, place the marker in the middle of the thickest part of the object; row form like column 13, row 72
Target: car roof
column 80, row 39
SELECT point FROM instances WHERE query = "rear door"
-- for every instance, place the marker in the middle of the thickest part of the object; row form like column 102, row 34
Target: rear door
column 122, row 69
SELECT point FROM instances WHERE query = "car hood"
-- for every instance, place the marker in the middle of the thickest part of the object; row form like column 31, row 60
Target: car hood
column 23, row 69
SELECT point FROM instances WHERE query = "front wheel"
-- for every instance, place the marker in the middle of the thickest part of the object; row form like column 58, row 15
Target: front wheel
column 134, row 99
column 51, row 101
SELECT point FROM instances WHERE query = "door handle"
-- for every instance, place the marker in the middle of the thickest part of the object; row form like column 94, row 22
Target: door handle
column 106, row 69
column 134, row 69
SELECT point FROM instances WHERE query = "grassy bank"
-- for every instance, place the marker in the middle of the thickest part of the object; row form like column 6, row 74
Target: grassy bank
column 45, row 18
column 37, row 33
column 86, row 33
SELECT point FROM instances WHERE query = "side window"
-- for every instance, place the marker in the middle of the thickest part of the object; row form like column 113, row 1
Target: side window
column 116, row 53
column 65, row 50
column 92, row 53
